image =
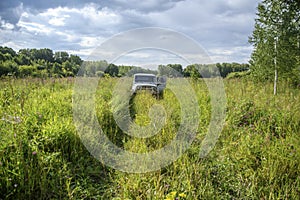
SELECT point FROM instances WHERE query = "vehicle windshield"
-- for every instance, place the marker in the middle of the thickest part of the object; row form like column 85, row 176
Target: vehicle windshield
column 145, row 79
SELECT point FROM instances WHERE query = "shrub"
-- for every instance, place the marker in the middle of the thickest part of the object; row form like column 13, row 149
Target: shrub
column 238, row 74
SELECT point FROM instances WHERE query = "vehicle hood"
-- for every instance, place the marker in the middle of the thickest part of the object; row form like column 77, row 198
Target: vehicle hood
column 145, row 84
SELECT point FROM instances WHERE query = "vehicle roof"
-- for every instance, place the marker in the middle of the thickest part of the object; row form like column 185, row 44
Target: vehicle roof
column 144, row 74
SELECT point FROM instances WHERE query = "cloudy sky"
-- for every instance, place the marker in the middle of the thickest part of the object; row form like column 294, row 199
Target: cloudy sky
column 221, row 27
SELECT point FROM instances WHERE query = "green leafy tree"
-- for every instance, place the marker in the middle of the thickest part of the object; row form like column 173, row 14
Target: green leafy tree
column 89, row 68
column 46, row 54
column 40, row 63
column 276, row 41
column 191, row 71
column 171, row 70
column 61, row 56
column 163, row 70
column 123, row 70
column 7, row 67
column 22, row 59
column 112, row 70
column 177, row 69
column 25, row 52
column 68, row 68
column 57, row 69
column 75, row 59
column 7, row 50
column 26, row 70
column 5, row 56
column 135, row 70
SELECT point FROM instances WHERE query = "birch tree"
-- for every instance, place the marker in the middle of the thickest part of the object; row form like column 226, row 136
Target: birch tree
column 276, row 41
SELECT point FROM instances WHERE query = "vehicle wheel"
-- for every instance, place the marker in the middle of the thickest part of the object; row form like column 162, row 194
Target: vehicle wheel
column 162, row 94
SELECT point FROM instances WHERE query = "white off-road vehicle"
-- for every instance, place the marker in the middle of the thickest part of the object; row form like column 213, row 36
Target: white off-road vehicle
column 150, row 82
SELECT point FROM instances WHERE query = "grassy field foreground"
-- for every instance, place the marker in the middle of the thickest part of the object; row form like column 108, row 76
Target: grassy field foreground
column 42, row 157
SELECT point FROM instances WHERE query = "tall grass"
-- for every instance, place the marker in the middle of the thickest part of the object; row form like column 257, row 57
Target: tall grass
column 42, row 157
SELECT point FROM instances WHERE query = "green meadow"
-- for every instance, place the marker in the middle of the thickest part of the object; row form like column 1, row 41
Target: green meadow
column 257, row 155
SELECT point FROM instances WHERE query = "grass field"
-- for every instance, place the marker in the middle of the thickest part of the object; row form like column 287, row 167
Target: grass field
column 42, row 157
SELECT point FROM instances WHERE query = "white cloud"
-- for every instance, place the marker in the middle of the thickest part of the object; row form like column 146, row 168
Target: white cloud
column 231, row 54
column 91, row 42
column 62, row 28
column 150, row 58
column 34, row 28
column 57, row 21
column 7, row 25
column 85, row 19
column 221, row 27
column 220, row 24
column 145, row 6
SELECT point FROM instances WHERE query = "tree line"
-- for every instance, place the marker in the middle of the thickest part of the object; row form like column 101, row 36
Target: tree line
column 46, row 63
column 38, row 63
column 102, row 68
column 202, row 70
